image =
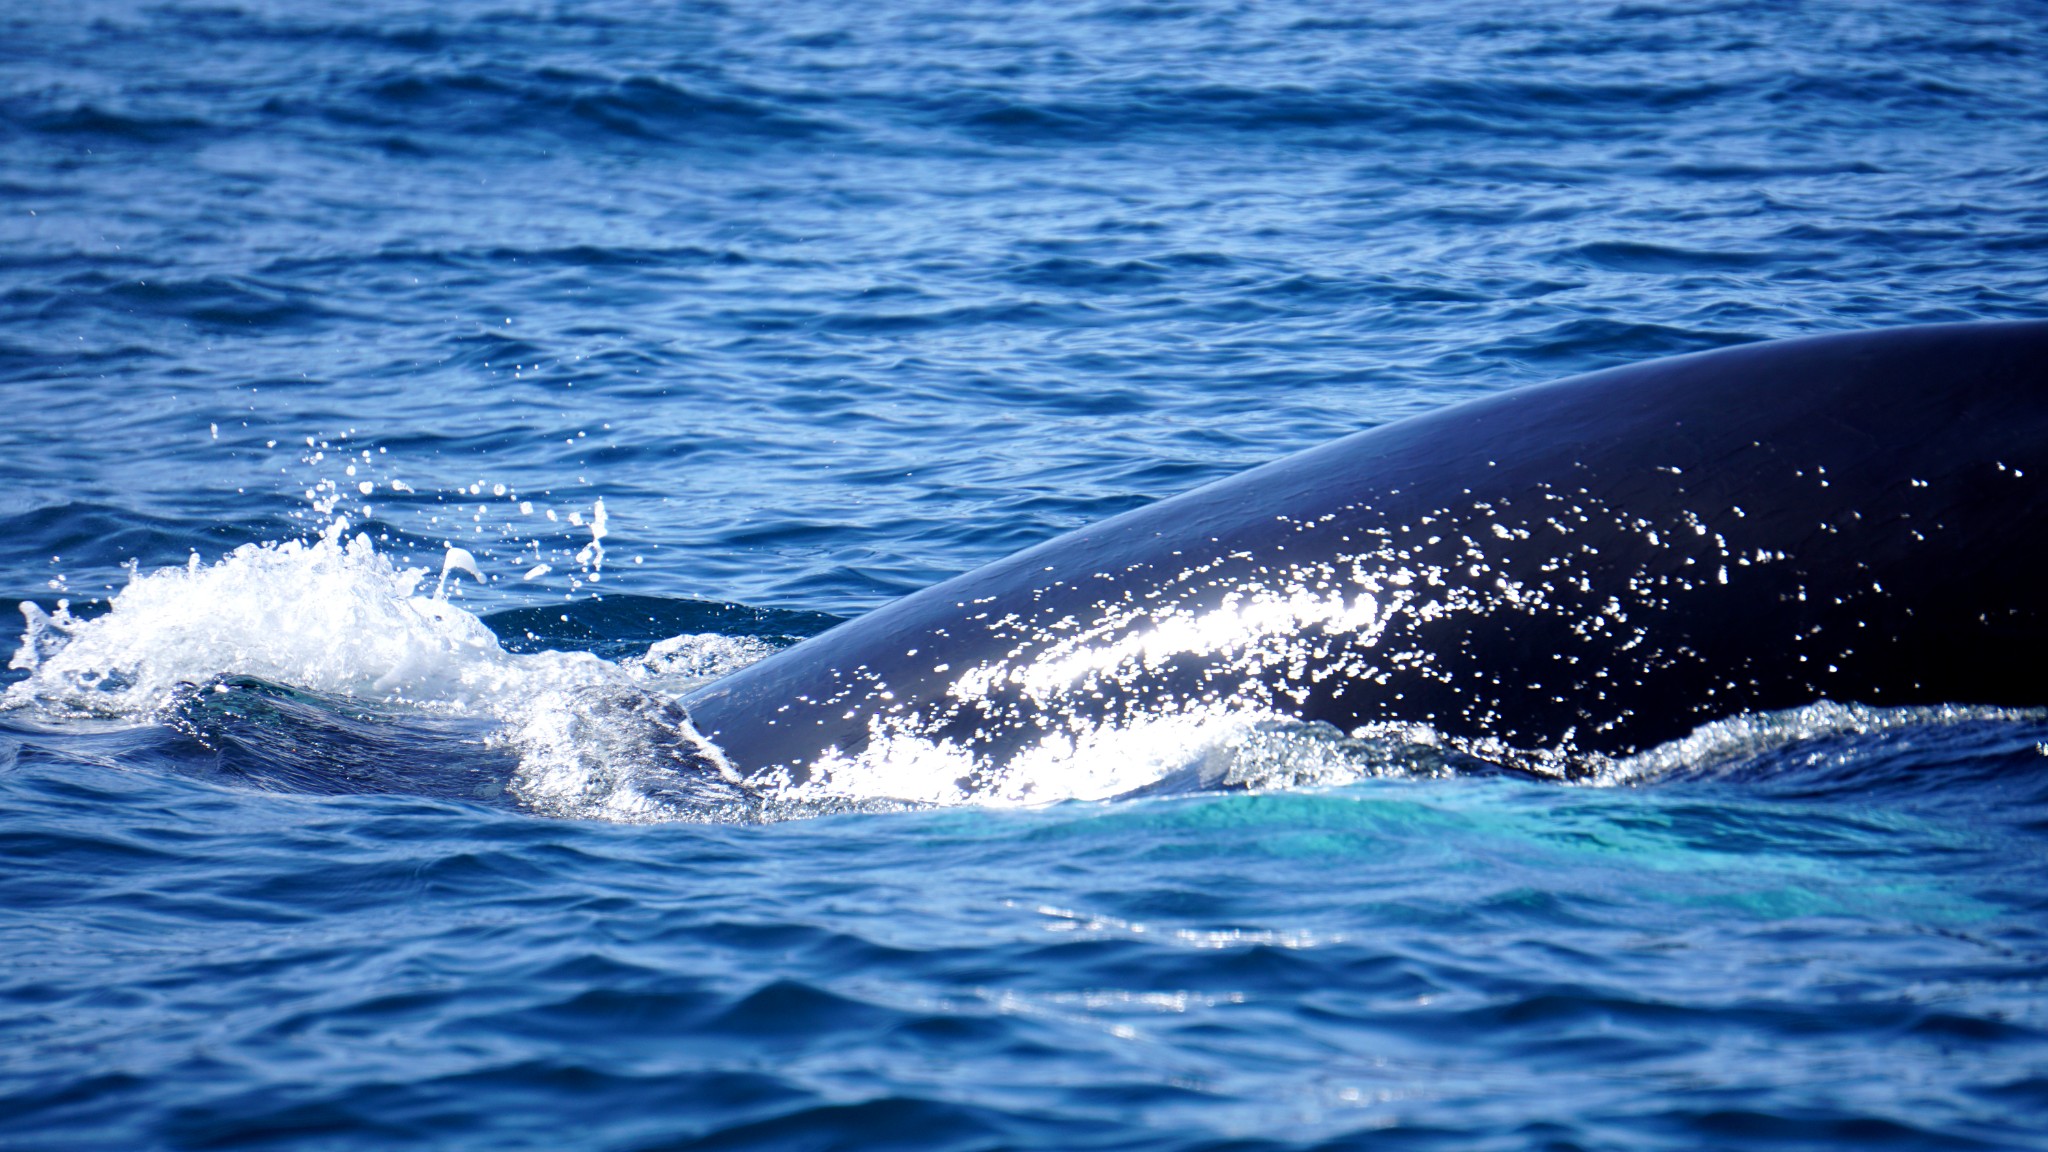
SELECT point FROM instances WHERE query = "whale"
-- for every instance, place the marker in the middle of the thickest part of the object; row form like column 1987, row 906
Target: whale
column 1548, row 575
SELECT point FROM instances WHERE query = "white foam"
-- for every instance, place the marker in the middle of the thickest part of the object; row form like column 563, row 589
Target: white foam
column 1739, row 738
column 681, row 663
column 326, row 616
column 593, row 739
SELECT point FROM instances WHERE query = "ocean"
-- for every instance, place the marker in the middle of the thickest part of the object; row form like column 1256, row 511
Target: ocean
column 409, row 402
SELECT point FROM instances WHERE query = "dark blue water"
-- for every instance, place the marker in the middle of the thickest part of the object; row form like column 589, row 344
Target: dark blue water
column 444, row 388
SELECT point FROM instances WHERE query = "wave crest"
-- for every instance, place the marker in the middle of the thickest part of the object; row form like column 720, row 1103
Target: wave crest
column 591, row 739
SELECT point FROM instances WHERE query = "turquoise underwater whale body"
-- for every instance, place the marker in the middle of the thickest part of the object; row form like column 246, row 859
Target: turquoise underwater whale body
column 1580, row 569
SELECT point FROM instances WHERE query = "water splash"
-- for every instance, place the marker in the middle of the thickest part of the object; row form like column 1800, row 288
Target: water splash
column 489, row 528
column 592, row 738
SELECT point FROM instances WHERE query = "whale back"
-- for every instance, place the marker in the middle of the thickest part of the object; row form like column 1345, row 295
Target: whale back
column 1594, row 565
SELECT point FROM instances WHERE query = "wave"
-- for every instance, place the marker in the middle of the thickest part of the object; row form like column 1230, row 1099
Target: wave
column 335, row 618
column 89, row 119
column 570, row 103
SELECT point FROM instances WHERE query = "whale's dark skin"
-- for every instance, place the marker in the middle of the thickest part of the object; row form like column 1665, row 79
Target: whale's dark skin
column 1592, row 566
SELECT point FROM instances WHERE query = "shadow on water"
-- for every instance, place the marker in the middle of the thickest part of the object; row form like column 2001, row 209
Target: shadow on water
column 250, row 733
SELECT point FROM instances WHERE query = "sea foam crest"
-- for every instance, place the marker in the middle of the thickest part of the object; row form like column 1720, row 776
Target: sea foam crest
column 1735, row 740
column 335, row 616
column 323, row 615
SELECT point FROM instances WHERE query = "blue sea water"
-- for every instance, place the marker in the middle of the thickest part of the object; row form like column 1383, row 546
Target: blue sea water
column 549, row 357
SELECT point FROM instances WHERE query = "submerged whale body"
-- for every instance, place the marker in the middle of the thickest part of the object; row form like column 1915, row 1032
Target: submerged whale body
column 1584, row 568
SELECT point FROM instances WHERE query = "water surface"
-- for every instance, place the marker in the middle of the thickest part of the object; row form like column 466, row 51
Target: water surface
column 821, row 305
